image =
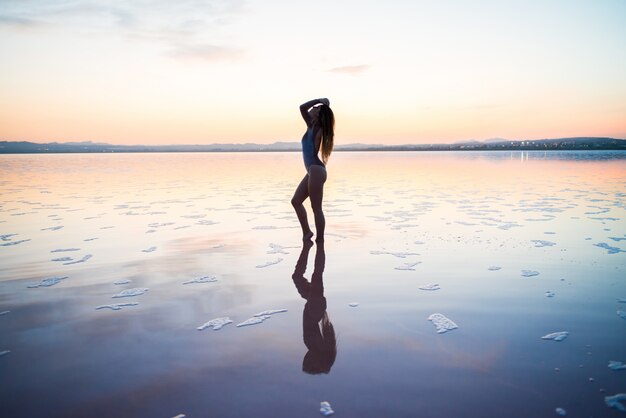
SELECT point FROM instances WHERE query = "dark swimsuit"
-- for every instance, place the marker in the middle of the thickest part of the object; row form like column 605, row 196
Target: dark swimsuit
column 309, row 153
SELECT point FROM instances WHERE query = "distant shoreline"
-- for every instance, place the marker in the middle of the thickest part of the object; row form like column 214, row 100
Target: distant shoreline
column 558, row 144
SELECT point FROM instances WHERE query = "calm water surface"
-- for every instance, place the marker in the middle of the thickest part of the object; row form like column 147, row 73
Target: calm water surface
column 395, row 222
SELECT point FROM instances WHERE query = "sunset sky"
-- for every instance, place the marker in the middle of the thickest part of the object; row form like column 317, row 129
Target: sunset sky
column 398, row 71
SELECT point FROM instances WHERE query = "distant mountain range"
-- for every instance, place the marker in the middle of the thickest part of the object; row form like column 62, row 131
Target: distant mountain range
column 579, row 143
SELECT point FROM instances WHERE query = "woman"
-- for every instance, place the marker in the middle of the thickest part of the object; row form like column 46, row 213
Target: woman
column 319, row 135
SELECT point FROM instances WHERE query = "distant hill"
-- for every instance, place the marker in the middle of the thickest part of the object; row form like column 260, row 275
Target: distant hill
column 579, row 143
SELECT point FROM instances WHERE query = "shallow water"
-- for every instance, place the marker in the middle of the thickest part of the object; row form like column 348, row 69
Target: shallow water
column 475, row 223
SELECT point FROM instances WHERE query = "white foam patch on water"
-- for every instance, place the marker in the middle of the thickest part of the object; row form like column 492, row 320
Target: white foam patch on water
column 62, row 259
column 180, row 416
column 254, row 320
column 395, row 254
column 326, row 409
column 193, row 216
column 616, row 365
column 11, row 243
column 550, row 294
column 203, row 279
column 621, row 314
column 404, row 225
column 465, row 223
column 270, row 312
column 4, row 353
column 278, row 249
column 542, row 243
column 560, row 411
column 4, row 313
column 556, row 336
column 215, row 324
column 82, row 260
column 509, row 225
column 442, row 323
column 131, row 292
column 63, row 250
column 269, row 263
column 353, row 304
column 599, row 212
column 51, row 281
column 120, row 282
column 408, row 266
column 53, row 228
column 530, row 273
column 160, row 225
column 544, row 219
column 206, row 222
column 614, row 401
column 149, row 250
column 380, row 218
column 117, row 306
column 610, row 249
column 433, row 286
column 494, row 268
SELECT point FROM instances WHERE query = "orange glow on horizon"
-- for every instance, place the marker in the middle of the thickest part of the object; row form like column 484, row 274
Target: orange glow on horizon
column 427, row 73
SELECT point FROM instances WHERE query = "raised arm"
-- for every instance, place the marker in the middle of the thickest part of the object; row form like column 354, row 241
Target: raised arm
column 304, row 108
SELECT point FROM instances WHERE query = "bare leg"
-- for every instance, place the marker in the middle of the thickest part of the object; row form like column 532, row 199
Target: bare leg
column 299, row 196
column 317, row 178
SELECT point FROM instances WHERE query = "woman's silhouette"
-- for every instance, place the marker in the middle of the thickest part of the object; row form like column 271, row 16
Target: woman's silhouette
column 318, row 331
column 320, row 132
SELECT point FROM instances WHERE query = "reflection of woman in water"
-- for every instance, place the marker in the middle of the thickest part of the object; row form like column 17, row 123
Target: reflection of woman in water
column 320, row 123
column 318, row 332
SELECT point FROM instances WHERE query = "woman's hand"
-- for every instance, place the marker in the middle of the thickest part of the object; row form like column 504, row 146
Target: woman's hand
column 304, row 108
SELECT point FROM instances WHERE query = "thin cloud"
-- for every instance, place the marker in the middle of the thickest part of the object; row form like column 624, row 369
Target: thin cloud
column 205, row 52
column 63, row 13
column 350, row 69
column 153, row 20
column 478, row 106
column 183, row 29
column 18, row 22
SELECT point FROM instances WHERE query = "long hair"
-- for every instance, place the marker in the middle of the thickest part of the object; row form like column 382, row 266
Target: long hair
column 320, row 358
column 327, row 123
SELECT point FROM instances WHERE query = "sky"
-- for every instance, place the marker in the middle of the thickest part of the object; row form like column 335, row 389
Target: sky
column 396, row 72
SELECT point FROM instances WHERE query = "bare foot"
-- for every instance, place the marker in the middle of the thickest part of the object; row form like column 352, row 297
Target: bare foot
column 307, row 236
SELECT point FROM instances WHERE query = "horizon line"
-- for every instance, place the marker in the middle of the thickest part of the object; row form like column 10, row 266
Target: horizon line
column 485, row 141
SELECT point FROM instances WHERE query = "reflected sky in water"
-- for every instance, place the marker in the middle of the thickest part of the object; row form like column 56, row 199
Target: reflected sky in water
column 470, row 222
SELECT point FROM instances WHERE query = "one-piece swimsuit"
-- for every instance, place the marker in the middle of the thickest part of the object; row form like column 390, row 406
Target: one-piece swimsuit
column 309, row 153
